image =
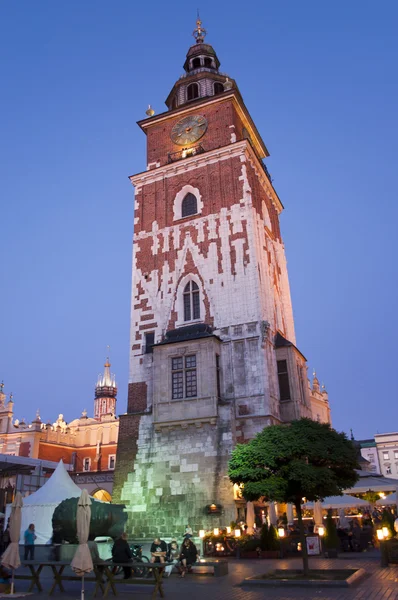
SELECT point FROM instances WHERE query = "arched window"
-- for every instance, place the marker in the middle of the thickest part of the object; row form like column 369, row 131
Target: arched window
column 218, row 88
column 192, row 91
column 208, row 62
column 196, row 63
column 189, row 206
column 191, row 301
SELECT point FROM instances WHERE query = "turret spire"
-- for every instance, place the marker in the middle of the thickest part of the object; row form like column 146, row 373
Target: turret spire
column 199, row 33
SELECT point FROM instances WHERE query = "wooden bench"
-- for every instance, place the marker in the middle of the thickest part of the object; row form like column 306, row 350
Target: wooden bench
column 220, row 567
column 104, row 576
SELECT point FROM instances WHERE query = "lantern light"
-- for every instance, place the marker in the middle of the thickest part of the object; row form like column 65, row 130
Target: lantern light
column 228, row 530
column 380, row 534
column 281, row 532
column 321, row 530
column 237, row 532
column 216, row 531
column 202, row 533
column 385, row 532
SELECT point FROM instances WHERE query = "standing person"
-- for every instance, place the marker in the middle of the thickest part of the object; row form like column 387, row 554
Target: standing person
column 158, row 551
column 188, row 555
column 121, row 553
column 30, row 537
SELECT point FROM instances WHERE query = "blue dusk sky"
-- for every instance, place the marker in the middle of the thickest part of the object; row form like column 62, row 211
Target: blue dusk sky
column 320, row 81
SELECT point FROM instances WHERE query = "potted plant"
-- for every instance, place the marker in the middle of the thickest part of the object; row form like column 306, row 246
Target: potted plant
column 331, row 541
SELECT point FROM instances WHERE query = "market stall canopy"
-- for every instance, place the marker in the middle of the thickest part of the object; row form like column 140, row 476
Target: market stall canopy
column 390, row 499
column 39, row 507
column 373, row 483
column 344, row 501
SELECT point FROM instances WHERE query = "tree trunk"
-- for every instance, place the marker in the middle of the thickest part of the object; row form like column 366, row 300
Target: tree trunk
column 302, row 538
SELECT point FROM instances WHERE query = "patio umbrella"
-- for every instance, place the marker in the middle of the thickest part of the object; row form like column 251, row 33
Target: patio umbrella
column 10, row 558
column 289, row 514
column 272, row 514
column 388, row 500
column 82, row 562
column 344, row 501
column 318, row 516
column 343, row 521
column 250, row 517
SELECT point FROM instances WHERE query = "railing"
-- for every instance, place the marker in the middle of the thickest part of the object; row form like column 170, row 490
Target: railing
column 185, row 153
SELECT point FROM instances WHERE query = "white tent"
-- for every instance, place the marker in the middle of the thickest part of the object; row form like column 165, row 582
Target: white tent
column 373, row 483
column 344, row 501
column 38, row 508
column 388, row 500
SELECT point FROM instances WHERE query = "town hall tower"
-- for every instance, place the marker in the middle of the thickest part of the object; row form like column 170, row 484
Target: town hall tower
column 213, row 356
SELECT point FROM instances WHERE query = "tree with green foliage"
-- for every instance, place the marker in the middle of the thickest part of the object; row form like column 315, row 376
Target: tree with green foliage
column 387, row 520
column 286, row 463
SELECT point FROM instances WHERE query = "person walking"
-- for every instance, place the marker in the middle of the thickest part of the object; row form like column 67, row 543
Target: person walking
column 30, row 537
column 121, row 553
column 188, row 555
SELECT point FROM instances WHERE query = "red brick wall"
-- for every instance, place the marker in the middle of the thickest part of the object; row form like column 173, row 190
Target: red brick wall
column 55, row 453
column 126, row 452
column 24, row 449
column 137, row 398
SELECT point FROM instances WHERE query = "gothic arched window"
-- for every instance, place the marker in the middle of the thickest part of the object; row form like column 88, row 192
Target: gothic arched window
column 218, row 88
column 192, row 91
column 196, row 63
column 191, row 301
column 189, row 206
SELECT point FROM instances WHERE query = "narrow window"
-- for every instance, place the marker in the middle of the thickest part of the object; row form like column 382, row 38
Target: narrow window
column 183, row 377
column 283, row 377
column 208, row 62
column 218, row 88
column 86, row 464
column 218, row 376
column 149, row 342
column 112, row 461
column 388, row 469
column 395, row 454
column 196, row 63
column 386, row 455
column 189, row 205
column 192, row 91
column 191, row 301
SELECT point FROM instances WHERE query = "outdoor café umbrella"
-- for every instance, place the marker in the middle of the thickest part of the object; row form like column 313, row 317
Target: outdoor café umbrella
column 10, row 558
column 250, row 517
column 272, row 514
column 82, row 562
column 318, row 516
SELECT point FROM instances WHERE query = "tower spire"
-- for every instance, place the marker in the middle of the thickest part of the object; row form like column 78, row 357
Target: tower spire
column 199, row 33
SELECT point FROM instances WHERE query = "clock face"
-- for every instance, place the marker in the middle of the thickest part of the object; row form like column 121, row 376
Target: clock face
column 188, row 130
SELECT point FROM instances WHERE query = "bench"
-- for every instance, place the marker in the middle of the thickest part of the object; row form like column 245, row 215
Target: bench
column 220, row 567
column 104, row 576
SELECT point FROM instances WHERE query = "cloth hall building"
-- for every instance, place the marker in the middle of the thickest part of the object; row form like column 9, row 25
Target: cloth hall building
column 213, row 353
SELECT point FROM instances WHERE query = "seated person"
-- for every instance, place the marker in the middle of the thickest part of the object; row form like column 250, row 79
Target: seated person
column 172, row 556
column 158, row 551
column 121, row 553
column 5, row 577
column 188, row 555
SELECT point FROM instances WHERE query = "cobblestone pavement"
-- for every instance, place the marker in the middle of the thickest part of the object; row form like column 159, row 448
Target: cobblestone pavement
column 381, row 584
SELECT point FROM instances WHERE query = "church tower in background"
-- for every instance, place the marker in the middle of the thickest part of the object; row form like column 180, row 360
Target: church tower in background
column 213, row 356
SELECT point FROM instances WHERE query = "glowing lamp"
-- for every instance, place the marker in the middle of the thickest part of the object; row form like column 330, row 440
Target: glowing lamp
column 237, row 532
column 202, row 533
column 321, row 530
column 216, row 531
column 228, row 530
column 386, row 532
column 281, row 532
column 380, row 534
column 382, row 495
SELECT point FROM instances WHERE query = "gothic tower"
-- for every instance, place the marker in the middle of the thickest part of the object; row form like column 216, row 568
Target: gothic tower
column 213, row 358
column 105, row 393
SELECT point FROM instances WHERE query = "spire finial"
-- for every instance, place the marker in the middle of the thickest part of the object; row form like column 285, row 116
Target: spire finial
column 108, row 351
column 1, row 386
column 199, row 33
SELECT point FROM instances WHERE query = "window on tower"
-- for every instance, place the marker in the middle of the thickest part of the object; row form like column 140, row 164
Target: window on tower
column 191, row 302
column 196, row 63
column 189, row 206
column 192, row 91
column 283, row 377
column 218, row 88
column 208, row 62
column 183, row 377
